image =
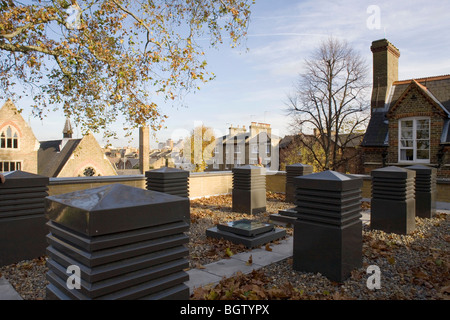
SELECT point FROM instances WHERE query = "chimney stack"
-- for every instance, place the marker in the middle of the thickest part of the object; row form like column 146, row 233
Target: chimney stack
column 144, row 149
column 385, row 71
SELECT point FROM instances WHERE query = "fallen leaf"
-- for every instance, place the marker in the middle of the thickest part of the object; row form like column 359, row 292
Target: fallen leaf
column 421, row 275
column 228, row 252
column 249, row 261
column 268, row 248
column 391, row 260
column 213, row 295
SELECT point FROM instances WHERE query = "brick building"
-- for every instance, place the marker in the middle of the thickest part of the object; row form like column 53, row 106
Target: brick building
column 18, row 144
column 410, row 119
column 67, row 157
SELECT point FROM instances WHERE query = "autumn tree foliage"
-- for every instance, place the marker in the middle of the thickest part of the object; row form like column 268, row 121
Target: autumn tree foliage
column 101, row 59
column 330, row 98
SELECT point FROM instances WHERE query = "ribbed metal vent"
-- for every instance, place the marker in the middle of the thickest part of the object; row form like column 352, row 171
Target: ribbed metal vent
column 295, row 170
column 328, row 229
column 22, row 216
column 129, row 243
column 425, row 190
column 168, row 180
column 249, row 189
column 393, row 200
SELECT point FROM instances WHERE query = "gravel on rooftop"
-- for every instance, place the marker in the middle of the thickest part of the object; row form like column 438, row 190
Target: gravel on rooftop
column 413, row 267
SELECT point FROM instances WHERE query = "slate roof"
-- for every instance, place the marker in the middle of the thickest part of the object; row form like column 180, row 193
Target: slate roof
column 437, row 88
column 377, row 130
column 51, row 159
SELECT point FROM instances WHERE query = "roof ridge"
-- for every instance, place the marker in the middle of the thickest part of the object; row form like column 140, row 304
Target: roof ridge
column 432, row 78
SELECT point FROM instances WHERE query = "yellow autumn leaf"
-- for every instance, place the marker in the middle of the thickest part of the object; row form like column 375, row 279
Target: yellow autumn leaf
column 213, row 295
column 391, row 260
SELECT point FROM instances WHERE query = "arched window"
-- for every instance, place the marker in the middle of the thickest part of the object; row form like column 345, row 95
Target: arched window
column 9, row 138
column 89, row 172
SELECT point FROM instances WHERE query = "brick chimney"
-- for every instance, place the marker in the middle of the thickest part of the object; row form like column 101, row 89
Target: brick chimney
column 385, row 70
column 144, row 149
column 235, row 130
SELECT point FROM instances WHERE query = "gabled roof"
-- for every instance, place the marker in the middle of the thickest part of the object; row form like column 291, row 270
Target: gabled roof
column 51, row 159
column 424, row 91
column 435, row 89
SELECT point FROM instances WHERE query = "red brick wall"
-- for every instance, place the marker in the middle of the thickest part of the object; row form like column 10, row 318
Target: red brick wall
column 419, row 107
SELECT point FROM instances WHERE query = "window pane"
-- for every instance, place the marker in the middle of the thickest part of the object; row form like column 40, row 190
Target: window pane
column 406, row 143
column 406, row 154
column 423, row 124
column 3, row 143
column 9, row 132
column 423, row 154
column 5, row 166
column 1, row 166
column 406, row 133
column 423, row 134
column 9, row 143
column 407, row 124
column 18, row 166
column 12, row 166
column 423, row 144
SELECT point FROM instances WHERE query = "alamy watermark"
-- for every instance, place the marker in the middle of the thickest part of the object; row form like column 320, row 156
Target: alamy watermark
column 214, row 147
column 374, row 20
column 374, row 280
column 74, row 19
column 74, row 280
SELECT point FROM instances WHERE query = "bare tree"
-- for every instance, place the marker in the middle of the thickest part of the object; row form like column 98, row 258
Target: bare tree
column 331, row 99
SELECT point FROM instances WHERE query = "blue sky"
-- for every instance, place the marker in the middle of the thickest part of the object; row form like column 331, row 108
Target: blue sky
column 253, row 85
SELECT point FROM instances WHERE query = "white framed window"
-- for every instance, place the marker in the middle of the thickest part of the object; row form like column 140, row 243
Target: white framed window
column 9, row 138
column 414, row 140
column 216, row 150
column 6, row 166
column 268, row 148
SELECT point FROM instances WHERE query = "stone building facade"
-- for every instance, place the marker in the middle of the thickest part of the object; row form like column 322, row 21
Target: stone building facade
column 256, row 146
column 410, row 119
column 68, row 157
column 74, row 158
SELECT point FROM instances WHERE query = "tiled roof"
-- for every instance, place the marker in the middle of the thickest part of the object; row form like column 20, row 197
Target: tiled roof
column 377, row 130
column 438, row 86
column 51, row 160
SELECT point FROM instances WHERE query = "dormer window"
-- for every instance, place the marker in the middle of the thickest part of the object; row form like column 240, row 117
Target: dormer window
column 9, row 138
column 414, row 141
